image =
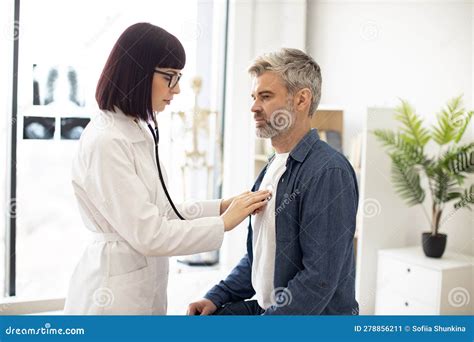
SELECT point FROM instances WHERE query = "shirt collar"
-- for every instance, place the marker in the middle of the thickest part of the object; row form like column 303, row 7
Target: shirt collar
column 301, row 150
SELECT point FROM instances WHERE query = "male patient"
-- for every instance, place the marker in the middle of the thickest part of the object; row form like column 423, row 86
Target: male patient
column 300, row 257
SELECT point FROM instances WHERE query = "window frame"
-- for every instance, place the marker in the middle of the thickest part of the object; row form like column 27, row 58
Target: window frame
column 11, row 304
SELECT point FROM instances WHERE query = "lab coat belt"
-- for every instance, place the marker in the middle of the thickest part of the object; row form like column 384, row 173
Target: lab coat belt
column 107, row 237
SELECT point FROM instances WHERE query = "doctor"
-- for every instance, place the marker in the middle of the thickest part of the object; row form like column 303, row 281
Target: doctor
column 121, row 187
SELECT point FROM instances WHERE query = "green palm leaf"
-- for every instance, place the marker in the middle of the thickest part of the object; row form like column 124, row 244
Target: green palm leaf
column 396, row 143
column 444, row 186
column 412, row 129
column 458, row 160
column 446, row 172
column 452, row 122
column 406, row 180
column 466, row 199
column 463, row 126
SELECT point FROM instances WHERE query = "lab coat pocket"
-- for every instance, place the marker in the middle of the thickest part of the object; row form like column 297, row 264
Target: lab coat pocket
column 130, row 282
column 132, row 293
column 124, row 259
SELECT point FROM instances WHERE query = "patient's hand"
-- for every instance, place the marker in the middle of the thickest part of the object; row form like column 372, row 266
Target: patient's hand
column 202, row 307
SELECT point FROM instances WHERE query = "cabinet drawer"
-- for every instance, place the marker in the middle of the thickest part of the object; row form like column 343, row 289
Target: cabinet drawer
column 391, row 303
column 408, row 280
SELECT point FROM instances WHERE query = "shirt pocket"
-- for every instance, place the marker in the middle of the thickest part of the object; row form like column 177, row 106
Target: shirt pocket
column 287, row 220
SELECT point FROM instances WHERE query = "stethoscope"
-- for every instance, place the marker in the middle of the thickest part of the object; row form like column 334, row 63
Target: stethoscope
column 156, row 138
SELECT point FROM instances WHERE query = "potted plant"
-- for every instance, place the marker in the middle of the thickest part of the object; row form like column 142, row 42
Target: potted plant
column 442, row 174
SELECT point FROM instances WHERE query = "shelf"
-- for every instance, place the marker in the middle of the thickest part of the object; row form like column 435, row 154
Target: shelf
column 261, row 158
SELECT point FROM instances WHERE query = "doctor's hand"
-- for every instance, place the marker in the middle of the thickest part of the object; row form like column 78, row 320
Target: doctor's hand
column 225, row 203
column 242, row 206
column 202, row 307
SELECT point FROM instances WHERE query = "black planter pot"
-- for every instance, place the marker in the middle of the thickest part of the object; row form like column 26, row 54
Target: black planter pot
column 434, row 245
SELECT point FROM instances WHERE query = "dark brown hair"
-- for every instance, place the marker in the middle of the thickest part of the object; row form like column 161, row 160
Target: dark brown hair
column 127, row 77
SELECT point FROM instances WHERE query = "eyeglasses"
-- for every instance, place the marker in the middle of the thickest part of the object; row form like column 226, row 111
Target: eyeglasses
column 173, row 78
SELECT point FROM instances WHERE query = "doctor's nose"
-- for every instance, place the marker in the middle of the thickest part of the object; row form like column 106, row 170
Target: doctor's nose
column 176, row 89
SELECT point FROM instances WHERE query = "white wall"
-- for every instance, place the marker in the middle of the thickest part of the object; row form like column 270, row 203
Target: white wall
column 255, row 27
column 373, row 52
column 370, row 54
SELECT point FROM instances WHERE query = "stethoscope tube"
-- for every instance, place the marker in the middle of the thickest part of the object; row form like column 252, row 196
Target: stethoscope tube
column 156, row 138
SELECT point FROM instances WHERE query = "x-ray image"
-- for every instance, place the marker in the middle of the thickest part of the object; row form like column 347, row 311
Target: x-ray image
column 71, row 128
column 57, row 85
column 36, row 127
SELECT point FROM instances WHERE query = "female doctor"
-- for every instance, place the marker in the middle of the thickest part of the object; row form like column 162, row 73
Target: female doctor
column 121, row 190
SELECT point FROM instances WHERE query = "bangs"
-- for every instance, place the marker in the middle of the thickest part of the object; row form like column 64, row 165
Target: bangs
column 171, row 55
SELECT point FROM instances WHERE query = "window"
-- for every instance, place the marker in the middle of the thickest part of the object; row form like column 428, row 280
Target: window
column 61, row 54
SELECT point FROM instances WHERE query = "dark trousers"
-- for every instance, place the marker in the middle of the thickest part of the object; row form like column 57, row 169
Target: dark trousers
column 244, row 308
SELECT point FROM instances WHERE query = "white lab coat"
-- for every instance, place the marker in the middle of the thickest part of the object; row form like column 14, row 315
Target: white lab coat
column 125, row 269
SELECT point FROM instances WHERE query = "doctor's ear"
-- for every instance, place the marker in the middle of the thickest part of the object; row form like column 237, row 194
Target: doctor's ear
column 303, row 99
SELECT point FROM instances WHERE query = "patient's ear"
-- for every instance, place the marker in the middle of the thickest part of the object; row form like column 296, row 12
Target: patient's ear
column 303, row 100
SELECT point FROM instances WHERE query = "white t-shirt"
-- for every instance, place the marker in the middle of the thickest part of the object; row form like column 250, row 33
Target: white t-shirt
column 263, row 243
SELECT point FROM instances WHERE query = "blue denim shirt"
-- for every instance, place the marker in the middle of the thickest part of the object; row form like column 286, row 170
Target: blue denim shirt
column 315, row 208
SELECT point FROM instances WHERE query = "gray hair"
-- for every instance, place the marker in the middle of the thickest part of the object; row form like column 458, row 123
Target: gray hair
column 297, row 69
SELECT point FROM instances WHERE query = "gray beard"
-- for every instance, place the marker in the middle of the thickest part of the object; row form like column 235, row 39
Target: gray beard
column 281, row 121
column 267, row 131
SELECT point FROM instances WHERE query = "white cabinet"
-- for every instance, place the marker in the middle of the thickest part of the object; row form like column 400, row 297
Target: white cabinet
column 409, row 283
